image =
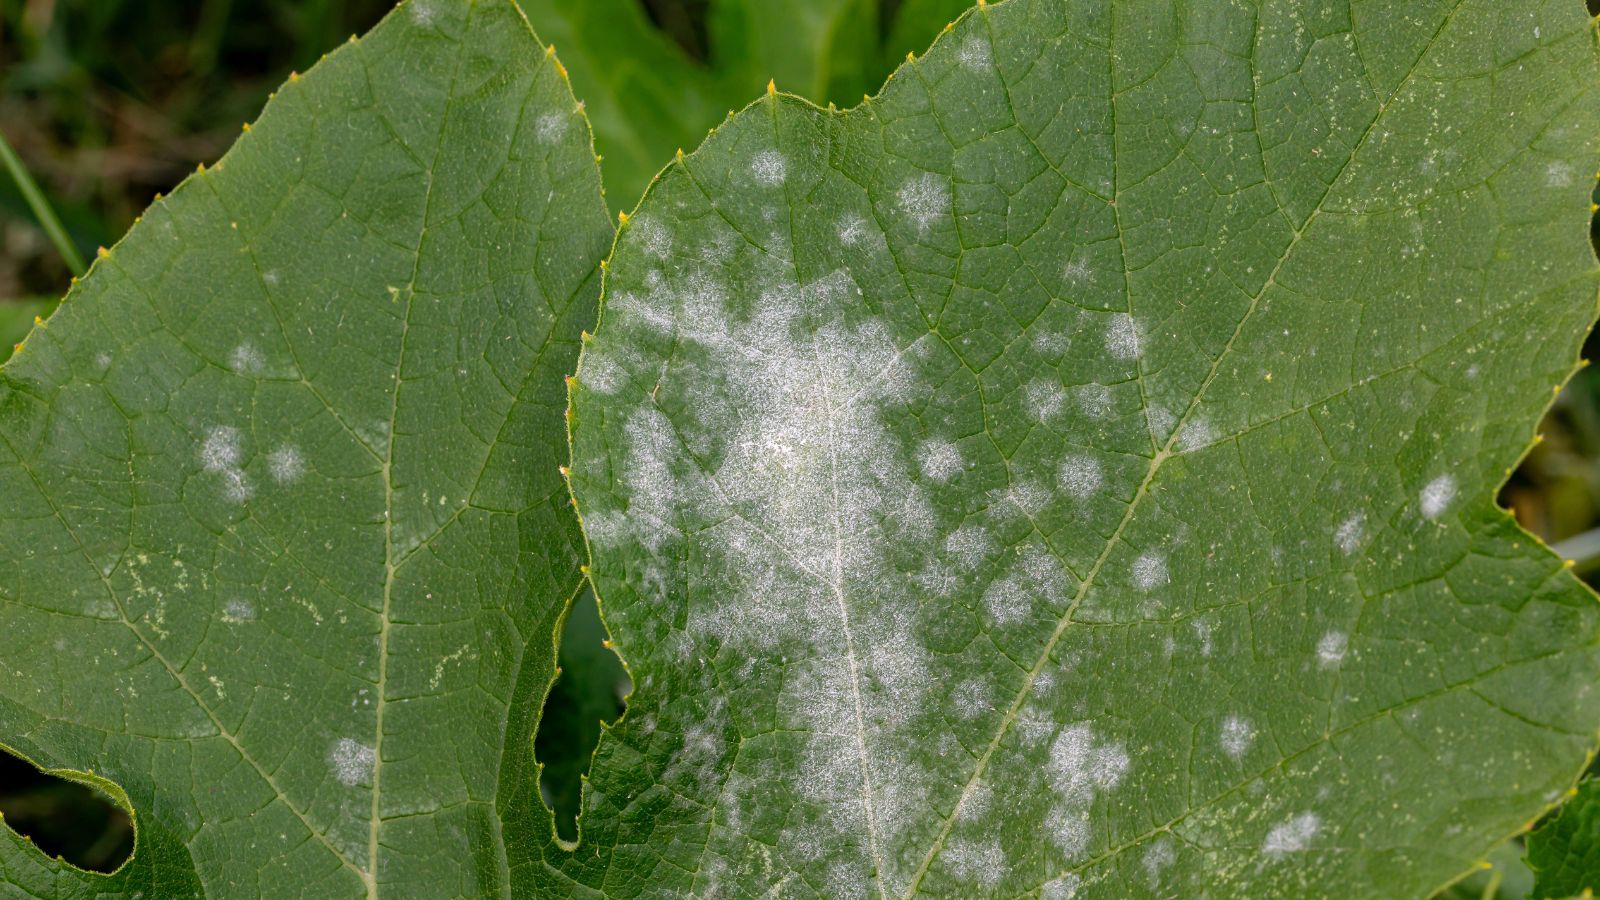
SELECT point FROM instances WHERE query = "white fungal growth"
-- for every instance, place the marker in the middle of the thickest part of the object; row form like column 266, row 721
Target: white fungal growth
column 769, row 167
column 1149, row 572
column 1123, row 340
column 1094, row 400
column 970, row 698
column 1045, row 399
column 655, row 239
column 1332, row 647
column 1437, row 496
column 1081, row 476
column 1080, row 767
column 246, row 359
column 969, row 545
column 1558, row 175
column 1037, row 580
column 1348, row 536
column 551, row 127
column 1063, row 888
column 1157, row 859
column 238, row 610
column 351, row 761
column 975, row 53
column 1292, row 836
column 852, row 228
column 285, row 464
column 221, row 453
column 940, row 460
column 1237, row 736
column 925, row 199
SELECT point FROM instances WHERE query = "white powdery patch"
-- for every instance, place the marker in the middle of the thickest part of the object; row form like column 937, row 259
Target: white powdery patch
column 1160, row 421
column 970, row 861
column 852, row 229
column 351, row 762
column 246, row 359
column 1351, row 530
column 1331, row 648
column 784, row 475
column 1063, row 888
column 769, row 167
column 1081, row 476
column 925, row 199
column 1558, row 175
column 1149, row 572
column 1437, row 496
column 1237, row 736
column 551, row 127
column 221, row 453
column 1123, row 340
column 975, row 53
column 1095, row 400
column 651, row 236
column 940, row 460
column 970, row 698
column 1197, row 433
column 1037, row 580
column 1156, row 860
column 969, row 545
column 285, row 464
column 238, row 611
column 1045, row 400
column 1080, row 768
column 1292, row 836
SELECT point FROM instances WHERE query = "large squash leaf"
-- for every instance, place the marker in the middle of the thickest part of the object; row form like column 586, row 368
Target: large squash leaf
column 283, row 541
column 646, row 97
column 1073, row 469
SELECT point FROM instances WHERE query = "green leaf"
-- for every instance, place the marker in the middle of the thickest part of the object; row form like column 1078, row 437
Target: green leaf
column 1564, row 851
column 1074, row 468
column 283, row 541
column 647, row 98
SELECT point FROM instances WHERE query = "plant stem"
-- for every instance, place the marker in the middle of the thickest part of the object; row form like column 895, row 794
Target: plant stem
column 41, row 208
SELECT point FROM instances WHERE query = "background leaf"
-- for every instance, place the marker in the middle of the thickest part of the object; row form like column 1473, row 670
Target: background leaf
column 283, row 545
column 1073, row 470
column 1564, row 851
column 647, row 97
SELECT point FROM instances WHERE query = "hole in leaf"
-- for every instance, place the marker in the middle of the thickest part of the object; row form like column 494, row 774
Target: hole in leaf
column 1594, row 7
column 63, row 817
column 590, row 689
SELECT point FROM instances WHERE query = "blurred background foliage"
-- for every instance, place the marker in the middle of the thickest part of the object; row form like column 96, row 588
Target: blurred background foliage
column 108, row 102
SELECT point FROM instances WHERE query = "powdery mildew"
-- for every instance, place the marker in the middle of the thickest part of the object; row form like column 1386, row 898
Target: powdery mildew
column 1292, row 836
column 351, row 761
column 769, row 167
column 1437, row 496
column 1237, row 736
column 1351, row 530
column 1331, row 648
column 925, row 199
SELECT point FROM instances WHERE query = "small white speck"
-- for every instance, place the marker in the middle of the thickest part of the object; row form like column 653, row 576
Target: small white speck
column 352, row 761
column 1292, row 836
column 1122, row 337
column 246, row 359
column 1437, row 496
column 1081, row 476
column 1348, row 537
column 1237, row 736
column 1149, row 572
column 769, row 167
column 1331, row 648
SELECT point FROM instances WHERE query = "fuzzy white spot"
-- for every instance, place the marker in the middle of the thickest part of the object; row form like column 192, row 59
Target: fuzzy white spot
column 925, row 199
column 1437, row 496
column 1157, row 859
column 968, row 545
column 852, row 229
column 975, row 53
column 769, row 167
column 1123, row 340
column 1045, row 399
column 1095, row 400
column 220, row 453
column 1080, row 767
column 238, row 611
column 1149, row 572
column 1081, row 476
column 1558, row 175
column 351, row 761
column 1351, row 530
column 285, row 464
column 1237, row 736
column 551, row 127
column 1063, row 888
column 1292, row 836
column 246, row 359
column 940, row 460
column 1331, row 648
